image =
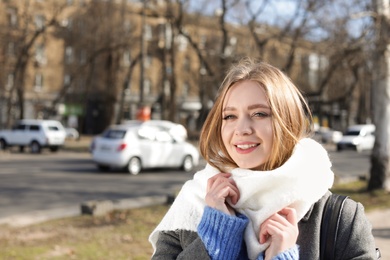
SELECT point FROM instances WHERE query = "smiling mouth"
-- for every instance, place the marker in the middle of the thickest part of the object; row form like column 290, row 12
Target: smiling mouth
column 246, row 146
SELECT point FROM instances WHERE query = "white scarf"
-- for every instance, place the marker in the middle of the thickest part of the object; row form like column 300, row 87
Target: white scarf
column 300, row 182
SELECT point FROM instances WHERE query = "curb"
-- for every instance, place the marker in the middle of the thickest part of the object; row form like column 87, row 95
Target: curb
column 95, row 208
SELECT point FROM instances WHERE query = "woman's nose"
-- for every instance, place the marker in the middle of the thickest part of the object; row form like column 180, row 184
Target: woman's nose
column 244, row 127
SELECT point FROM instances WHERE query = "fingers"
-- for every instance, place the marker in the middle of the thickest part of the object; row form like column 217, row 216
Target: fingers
column 290, row 214
column 219, row 189
column 282, row 228
column 224, row 186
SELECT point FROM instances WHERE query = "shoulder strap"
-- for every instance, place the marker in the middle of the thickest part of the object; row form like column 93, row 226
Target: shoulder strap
column 330, row 224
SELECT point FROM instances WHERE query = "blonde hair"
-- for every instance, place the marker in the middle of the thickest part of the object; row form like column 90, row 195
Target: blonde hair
column 291, row 117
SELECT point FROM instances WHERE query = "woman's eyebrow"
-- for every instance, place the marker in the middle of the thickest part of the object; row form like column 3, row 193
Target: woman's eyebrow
column 229, row 109
column 258, row 106
column 250, row 107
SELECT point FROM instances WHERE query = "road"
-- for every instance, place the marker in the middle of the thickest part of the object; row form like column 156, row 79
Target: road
column 39, row 182
column 53, row 180
column 349, row 163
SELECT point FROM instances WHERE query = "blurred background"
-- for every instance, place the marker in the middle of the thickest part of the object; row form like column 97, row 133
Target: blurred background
column 92, row 63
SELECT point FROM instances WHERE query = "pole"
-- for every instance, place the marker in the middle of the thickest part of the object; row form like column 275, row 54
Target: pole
column 142, row 52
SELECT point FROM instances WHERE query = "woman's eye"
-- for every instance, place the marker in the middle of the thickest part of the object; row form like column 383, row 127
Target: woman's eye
column 261, row 114
column 227, row 117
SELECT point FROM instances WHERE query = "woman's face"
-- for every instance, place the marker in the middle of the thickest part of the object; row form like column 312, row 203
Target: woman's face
column 247, row 126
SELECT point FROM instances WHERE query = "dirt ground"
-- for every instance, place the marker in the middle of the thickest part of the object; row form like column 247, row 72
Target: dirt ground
column 118, row 235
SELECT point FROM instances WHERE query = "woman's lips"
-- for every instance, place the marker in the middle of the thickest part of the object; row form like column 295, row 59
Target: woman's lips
column 246, row 148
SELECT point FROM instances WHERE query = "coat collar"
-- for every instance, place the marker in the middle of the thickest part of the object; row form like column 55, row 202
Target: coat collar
column 319, row 203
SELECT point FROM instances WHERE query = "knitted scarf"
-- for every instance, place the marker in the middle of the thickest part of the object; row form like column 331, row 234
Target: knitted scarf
column 300, row 182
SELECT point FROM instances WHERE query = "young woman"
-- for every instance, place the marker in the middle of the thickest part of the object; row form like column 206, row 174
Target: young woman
column 263, row 191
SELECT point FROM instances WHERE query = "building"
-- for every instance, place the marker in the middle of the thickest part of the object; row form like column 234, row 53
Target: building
column 91, row 63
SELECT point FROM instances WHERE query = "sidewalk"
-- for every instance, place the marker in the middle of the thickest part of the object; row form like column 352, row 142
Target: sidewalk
column 380, row 220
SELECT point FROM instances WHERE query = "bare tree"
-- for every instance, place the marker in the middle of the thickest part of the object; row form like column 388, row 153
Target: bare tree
column 380, row 167
column 102, row 32
column 313, row 28
column 25, row 41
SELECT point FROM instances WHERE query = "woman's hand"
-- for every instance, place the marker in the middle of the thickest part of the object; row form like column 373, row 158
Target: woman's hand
column 281, row 230
column 221, row 187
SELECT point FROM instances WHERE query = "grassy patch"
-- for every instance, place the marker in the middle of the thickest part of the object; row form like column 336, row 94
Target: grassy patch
column 357, row 190
column 120, row 234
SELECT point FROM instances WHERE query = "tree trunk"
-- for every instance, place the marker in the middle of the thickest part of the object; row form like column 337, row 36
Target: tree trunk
column 380, row 171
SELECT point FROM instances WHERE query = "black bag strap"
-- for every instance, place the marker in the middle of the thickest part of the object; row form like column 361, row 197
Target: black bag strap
column 330, row 224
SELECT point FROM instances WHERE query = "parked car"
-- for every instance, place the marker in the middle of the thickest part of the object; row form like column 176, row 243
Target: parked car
column 358, row 137
column 72, row 133
column 35, row 134
column 140, row 145
column 328, row 135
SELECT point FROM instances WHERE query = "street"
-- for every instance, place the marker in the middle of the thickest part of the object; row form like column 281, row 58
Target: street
column 53, row 180
column 349, row 163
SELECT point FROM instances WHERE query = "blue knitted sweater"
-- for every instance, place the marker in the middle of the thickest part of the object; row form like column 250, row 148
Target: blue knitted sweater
column 222, row 236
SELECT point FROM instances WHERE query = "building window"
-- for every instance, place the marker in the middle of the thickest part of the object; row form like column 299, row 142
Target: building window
column 148, row 34
column 67, row 83
column 147, row 87
column 40, row 54
column 67, row 23
column 68, row 55
column 314, row 65
column 183, row 42
column 126, row 59
column 10, row 81
column 12, row 17
column 127, row 26
column 38, row 82
column 186, row 89
column 167, row 88
column 67, row 80
column 11, row 49
column 83, row 57
column 187, row 64
column 39, row 21
column 148, row 61
column 202, row 41
column 81, row 84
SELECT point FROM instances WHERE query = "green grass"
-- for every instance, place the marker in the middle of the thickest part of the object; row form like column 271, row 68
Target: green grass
column 120, row 234
column 357, row 190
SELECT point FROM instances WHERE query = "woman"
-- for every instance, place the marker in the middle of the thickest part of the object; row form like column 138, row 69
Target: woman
column 262, row 194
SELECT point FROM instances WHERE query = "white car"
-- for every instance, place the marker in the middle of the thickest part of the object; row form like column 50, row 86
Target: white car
column 358, row 137
column 135, row 146
column 36, row 134
column 330, row 136
column 72, row 133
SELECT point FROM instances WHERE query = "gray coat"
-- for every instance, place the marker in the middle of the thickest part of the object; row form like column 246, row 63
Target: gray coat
column 355, row 239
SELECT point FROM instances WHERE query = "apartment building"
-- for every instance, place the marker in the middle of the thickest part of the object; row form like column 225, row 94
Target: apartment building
column 91, row 63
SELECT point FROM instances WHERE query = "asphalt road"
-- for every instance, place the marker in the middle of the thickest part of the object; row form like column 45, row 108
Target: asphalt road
column 54, row 180
column 39, row 182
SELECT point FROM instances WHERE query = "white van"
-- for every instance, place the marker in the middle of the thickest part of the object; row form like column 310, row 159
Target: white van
column 358, row 137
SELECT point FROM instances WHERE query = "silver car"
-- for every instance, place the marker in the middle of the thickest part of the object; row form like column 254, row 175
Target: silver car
column 140, row 145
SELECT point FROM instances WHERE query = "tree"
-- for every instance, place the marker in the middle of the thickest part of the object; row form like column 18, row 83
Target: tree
column 314, row 45
column 30, row 34
column 380, row 168
column 102, row 32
